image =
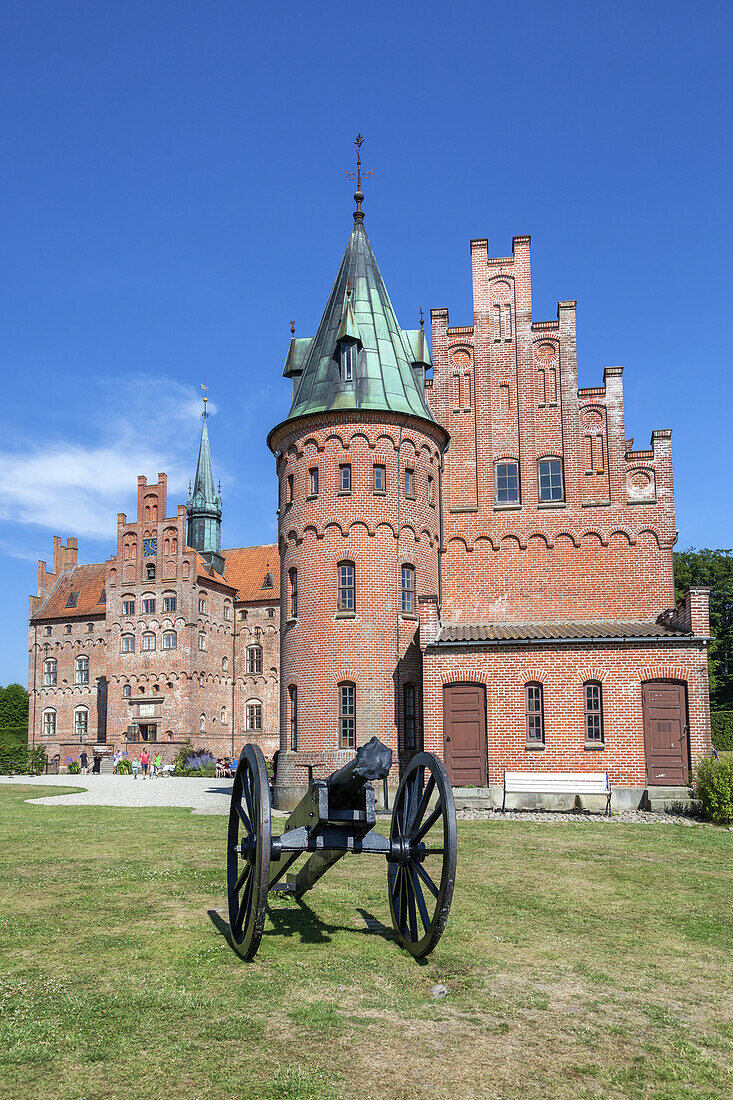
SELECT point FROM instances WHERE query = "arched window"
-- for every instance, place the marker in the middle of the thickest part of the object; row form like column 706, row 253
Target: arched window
column 408, row 712
column 227, row 611
column 128, row 605
column 593, row 698
column 202, row 641
column 169, row 735
column 534, row 711
column 170, row 639
column 81, row 670
column 169, row 603
column 254, row 659
column 549, row 472
column 407, row 588
column 347, row 716
column 271, row 612
column 253, row 715
column 49, row 672
column 150, row 571
column 506, row 481
column 81, row 722
column 148, row 641
column 148, row 604
column 293, row 575
column 223, row 716
column 126, row 691
column 225, row 664
column 348, row 353
column 346, row 586
column 293, row 693
column 202, row 723
column 128, row 643
column 49, row 723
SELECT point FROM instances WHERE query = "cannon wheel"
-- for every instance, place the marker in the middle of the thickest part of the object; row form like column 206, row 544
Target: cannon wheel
column 421, row 882
column 248, row 851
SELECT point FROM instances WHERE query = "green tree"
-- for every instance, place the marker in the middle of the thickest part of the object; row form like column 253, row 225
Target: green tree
column 13, row 707
column 714, row 568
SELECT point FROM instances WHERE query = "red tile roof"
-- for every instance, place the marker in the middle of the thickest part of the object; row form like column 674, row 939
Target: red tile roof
column 245, row 570
column 86, row 582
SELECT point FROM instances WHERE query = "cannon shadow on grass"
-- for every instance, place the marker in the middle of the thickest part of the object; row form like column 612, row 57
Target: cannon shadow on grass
column 300, row 920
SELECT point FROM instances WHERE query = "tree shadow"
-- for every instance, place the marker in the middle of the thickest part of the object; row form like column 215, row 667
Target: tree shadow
column 298, row 919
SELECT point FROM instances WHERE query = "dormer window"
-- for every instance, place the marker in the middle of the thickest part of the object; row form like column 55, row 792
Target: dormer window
column 348, row 360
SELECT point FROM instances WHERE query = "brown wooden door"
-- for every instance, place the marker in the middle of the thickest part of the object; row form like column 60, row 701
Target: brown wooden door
column 464, row 734
column 666, row 742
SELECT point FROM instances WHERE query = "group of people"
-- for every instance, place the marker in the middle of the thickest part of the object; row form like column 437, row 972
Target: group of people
column 226, row 767
column 84, row 763
column 148, row 765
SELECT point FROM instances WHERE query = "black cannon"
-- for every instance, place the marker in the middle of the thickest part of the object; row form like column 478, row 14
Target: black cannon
column 338, row 815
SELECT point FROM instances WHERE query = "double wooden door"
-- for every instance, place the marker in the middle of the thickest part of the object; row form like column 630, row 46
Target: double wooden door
column 666, row 733
column 464, row 734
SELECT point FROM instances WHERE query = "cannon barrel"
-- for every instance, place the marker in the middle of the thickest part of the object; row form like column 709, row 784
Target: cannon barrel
column 372, row 761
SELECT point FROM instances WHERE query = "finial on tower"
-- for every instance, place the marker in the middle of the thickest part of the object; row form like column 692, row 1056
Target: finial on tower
column 359, row 194
column 205, row 388
column 422, row 318
column 292, row 329
column 348, row 288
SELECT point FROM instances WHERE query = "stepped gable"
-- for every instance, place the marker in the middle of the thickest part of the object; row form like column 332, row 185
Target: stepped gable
column 359, row 309
column 76, row 594
column 245, row 569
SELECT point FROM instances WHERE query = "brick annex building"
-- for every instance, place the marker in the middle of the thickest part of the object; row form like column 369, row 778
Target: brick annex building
column 473, row 559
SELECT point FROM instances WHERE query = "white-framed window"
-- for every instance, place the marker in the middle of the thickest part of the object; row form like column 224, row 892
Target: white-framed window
column 49, row 672
column 227, row 611
column 313, row 474
column 254, row 659
column 507, row 481
column 347, row 716
column 293, row 575
column 407, row 588
column 293, row 692
column 47, row 630
column 169, row 604
column 380, row 479
column 549, row 472
column 128, row 607
column 170, row 639
column 81, row 722
column 202, row 605
column 49, row 723
column 223, row 716
column 126, row 691
column 202, row 641
column 148, row 605
column 128, row 643
column 346, row 586
column 148, row 641
column 409, row 482
column 348, row 360
column 225, row 664
column 345, row 477
column 253, row 715
column 81, row 670
column 202, row 723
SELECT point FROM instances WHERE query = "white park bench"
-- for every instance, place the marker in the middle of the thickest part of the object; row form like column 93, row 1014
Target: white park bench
column 557, row 783
column 168, row 769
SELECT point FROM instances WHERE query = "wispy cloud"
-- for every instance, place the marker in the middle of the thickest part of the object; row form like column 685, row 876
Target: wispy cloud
column 78, row 488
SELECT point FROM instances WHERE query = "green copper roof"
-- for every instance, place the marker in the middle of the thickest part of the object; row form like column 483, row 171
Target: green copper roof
column 204, row 491
column 296, row 354
column 384, row 378
column 203, row 508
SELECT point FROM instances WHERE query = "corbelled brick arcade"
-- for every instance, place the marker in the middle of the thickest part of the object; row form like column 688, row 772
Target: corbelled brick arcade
column 473, row 558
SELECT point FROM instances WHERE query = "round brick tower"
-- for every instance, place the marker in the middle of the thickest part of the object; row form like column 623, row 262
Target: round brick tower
column 358, row 462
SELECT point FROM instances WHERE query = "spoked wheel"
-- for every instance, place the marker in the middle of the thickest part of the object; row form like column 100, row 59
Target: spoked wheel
column 421, row 880
column 248, row 851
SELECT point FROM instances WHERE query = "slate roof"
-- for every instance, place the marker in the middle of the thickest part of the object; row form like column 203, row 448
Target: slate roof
column 498, row 633
column 245, row 569
column 81, row 588
column 384, row 376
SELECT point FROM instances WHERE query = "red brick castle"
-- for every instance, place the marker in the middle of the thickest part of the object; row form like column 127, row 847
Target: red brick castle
column 473, row 559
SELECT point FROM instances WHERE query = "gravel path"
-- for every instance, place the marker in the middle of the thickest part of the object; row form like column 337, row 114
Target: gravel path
column 211, row 796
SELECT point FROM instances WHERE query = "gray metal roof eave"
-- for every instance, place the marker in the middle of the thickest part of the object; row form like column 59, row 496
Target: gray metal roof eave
column 648, row 638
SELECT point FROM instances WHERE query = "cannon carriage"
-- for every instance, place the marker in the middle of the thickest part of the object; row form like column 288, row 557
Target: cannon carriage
column 337, row 816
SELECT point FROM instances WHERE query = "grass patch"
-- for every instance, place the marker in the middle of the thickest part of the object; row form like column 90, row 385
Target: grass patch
column 579, row 963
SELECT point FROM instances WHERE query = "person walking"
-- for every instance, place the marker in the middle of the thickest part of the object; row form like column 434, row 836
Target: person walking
column 83, row 762
column 97, row 765
column 157, row 762
column 135, row 766
column 144, row 761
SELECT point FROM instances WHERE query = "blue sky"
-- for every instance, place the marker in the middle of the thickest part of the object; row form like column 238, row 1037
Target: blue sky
column 173, row 193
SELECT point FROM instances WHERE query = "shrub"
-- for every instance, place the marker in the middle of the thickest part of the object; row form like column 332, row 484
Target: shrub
column 721, row 724
column 184, row 752
column 16, row 758
column 713, row 784
column 124, row 767
column 206, row 771
column 199, row 759
column 73, row 767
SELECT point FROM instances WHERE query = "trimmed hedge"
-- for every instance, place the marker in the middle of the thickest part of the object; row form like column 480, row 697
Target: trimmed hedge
column 721, row 724
column 17, row 759
column 714, row 788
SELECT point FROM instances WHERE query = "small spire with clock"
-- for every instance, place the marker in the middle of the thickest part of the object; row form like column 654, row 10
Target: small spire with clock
column 203, row 506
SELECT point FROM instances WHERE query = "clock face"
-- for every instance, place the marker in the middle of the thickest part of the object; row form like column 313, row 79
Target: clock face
column 150, row 547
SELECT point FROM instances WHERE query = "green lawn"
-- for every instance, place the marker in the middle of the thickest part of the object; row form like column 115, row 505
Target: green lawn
column 581, row 961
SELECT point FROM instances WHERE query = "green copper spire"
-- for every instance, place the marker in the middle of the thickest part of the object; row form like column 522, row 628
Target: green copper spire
column 360, row 358
column 204, row 506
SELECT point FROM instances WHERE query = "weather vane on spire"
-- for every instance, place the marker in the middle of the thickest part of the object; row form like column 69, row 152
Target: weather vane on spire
column 359, row 176
column 205, row 388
